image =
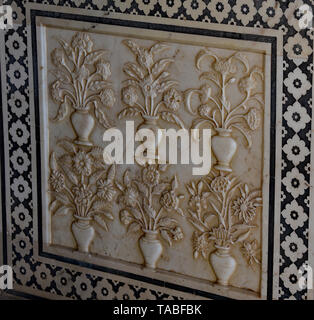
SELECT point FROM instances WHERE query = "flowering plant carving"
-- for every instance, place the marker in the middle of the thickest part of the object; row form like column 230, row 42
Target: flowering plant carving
column 216, row 109
column 148, row 90
column 79, row 183
column 81, row 79
column 221, row 210
column 148, row 202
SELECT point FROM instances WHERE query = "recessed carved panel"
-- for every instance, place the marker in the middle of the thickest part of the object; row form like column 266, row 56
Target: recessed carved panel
column 156, row 219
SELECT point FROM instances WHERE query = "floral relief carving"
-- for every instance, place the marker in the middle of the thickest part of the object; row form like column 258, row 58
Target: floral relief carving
column 82, row 85
column 148, row 205
column 222, row 211
column 218, row 111
column 148, row 92
column 80, row 184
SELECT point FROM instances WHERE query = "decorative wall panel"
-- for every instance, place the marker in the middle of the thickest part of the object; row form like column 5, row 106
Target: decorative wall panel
column 84, row 229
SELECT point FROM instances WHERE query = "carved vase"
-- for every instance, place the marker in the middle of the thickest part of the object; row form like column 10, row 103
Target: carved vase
column 151, row 248
column 223, row 264
column 150, row 122
column 83, row 233
column 224, row 148
column 83, row 124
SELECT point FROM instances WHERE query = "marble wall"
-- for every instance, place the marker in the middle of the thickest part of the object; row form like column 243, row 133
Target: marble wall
column 75, row 227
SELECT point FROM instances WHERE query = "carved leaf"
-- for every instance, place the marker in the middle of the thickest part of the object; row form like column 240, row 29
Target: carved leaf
column 94, row 56
column 101, row 117
column 171, row 117
column 99, row 204
column 142, row 188
column 129, row 112
column 97, row 85
column 53, row 204
column 62, row 111
column 126, row 179
column 53, row 161
column 61, row 197
column 136, row 213
column 166, row 85
column 165, row 235
column 61, row 76
column 243, row 236
column 111, row 173
column 133, row 70
column 66, row 47
column 70, row 175
column 158, row 47
column 159, row 188
column 197, row 225
column 166, row 222
column 174, row 183
column 96, row 176
column 108, row 215
column 160, row 66
column 67, row 146
column 101, row 222
column 62, row 211
column 133, row 46
column 134, row 227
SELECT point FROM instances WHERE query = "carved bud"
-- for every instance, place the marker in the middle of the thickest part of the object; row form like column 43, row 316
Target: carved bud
column 253, row 119
column 129, row 96
column 107, row 97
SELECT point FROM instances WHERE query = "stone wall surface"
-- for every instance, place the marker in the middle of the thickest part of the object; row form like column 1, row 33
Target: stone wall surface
column 75, row 227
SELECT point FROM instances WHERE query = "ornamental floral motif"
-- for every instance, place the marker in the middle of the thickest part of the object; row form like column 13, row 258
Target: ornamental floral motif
column 222, row 211
column 80, row 183
column 81, row 81
column 148, row 91
column 216, row 109
column 147, row 203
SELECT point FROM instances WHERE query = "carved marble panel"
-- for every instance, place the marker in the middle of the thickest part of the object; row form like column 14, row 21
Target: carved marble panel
column 156, row 220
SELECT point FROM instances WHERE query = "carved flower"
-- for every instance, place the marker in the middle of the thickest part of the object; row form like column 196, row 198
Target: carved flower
column 247, row 84
column 173, row 99
column 200, row 244
column 169, row 200
column 220, row 184
column 125, row 217
column 145, row 58
column 150, row 175
column 105, row 190
column 253, row 119
column 83, row 163
column 221, row 237
column 107, row 97
column 56, row 92
column 129, row 95
column 204, row 111
column 224, row 66
column 81, row 195
column 103, row 68
column 149, row 88
column 56, row 180
column 82, row 41
column 57, row 57
column 129, row 197
column 177, row 233
column 245, row 206
column 249, row 250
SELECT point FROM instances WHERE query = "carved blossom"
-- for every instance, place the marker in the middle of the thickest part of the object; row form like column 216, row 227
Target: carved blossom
column 148, row 202
column 215, row 109
column 148, row 79
column 81, row 79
